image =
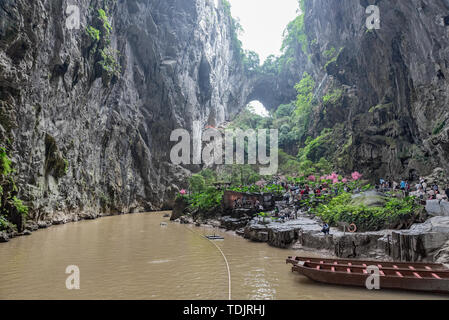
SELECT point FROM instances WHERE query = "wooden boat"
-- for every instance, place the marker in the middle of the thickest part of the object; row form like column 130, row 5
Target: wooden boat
column 214, row 237
column 364, row 263
column 405, row 276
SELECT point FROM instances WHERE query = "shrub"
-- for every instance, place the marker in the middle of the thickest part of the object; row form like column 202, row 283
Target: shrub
column 109, row 63
column 271, row 188
column 197, row 183
column 21, row 208
column 295, row 34
column 315, row 149
column 339, row 209
column 206, row 200
column 333, row 97
column 329, row 53
column 4, row 224
column 5, row 163
column 102, row 16
column 93, row 33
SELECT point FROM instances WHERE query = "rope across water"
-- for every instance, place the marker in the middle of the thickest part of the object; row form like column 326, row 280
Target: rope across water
column 224, row 257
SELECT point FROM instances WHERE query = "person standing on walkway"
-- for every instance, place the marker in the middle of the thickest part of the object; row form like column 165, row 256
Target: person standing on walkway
column 326, row 229
column 435, row 187
column 424, row 186
column 395, row 185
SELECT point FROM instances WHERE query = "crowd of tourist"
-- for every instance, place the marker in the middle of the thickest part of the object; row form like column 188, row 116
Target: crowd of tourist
column 295, row 193
column 423, row 190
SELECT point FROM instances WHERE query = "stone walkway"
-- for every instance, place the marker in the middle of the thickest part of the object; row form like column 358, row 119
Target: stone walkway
column 422, row 242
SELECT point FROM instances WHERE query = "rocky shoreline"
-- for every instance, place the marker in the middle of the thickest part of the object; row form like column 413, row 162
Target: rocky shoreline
column 57, row 219
column 428, row 241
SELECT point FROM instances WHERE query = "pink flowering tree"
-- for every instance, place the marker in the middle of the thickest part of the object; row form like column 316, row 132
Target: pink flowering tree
column 356, row 176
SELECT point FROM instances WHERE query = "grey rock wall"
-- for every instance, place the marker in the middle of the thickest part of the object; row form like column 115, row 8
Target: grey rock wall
column 83, row 143
column 437, row 207
column 395, row 83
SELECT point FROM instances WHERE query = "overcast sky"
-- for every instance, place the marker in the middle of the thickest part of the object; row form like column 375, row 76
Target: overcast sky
column 263, row 22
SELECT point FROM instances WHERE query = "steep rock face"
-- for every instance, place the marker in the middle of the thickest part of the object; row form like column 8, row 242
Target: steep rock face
column 87, row 118
column 393, row 82
column 85, row 139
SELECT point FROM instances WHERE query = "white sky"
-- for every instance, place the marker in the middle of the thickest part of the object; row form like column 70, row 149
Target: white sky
column 264, row 22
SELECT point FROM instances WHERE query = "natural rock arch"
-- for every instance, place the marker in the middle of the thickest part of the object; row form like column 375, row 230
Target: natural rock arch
column 271, row 91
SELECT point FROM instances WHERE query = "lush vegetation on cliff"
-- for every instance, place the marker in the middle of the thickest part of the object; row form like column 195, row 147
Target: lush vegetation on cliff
column 249, row 59
column 98, row 41
column 11, row 207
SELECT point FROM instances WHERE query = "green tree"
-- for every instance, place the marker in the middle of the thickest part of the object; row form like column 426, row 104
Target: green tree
column 295, row 35
column 251, row 61
column 197, row 183
column 305, row 93
column 209, row 176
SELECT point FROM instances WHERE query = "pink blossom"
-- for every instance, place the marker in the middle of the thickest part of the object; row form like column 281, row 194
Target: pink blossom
column 344, row 180
column 312, row 178
column 356, row 175
column 333, row 176
column 182, row 192
column 335, row 181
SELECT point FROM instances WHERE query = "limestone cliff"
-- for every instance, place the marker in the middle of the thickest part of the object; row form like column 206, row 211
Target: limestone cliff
column 86, row 114
column 387, row 89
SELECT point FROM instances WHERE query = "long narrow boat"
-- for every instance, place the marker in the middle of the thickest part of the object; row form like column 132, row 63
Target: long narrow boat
column 364, row 263
column 389, row 278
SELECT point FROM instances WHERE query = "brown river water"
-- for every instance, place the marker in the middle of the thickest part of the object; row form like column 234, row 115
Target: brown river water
column 134, row 257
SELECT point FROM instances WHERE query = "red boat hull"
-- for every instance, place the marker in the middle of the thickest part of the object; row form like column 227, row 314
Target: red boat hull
column 428, row 277
column 380, row 264
column 385, row 282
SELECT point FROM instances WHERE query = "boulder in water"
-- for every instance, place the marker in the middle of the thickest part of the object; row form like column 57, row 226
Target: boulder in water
column 4, row 237
column 178, row 208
